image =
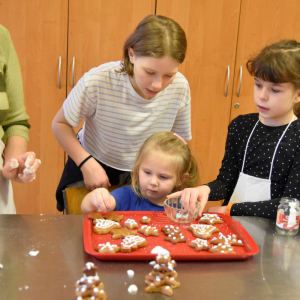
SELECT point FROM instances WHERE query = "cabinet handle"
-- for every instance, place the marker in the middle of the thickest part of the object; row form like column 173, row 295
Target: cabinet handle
column 228, row 76
column 59, row 72
column 241, row 76
column 73, row 69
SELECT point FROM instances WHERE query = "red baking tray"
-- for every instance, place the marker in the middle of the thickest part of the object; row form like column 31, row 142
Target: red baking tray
column 179, row 251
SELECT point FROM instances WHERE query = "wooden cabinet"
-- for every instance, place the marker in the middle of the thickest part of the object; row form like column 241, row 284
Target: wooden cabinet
column 92, row 31
column 222, row 35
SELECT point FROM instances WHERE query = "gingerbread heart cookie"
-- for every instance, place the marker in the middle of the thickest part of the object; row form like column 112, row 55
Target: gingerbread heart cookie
column 121, row 233
column 105, row 226
column 148, row 230
column 132, row 242
column 210, row 219
column 199, row 245
column 202, row 231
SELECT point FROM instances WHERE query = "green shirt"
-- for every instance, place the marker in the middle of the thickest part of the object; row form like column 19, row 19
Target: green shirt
column 13, row 117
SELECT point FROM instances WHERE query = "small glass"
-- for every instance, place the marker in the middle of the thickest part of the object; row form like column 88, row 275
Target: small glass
column 288, row 216
column 176, row 212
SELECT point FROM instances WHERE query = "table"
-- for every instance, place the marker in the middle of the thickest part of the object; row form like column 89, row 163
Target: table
column 274, row 273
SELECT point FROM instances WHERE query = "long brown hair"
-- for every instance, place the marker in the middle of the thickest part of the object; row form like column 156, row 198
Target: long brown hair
column 155, row 36
column 168, row 146
column 278, row 63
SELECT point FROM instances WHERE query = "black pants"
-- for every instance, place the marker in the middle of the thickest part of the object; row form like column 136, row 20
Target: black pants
column 72, row 174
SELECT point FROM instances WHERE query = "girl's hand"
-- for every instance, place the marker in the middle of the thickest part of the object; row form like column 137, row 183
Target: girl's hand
column 102, row 200
column 22, row 168
column 190, row 196
column 94, row 175
column 218, row 209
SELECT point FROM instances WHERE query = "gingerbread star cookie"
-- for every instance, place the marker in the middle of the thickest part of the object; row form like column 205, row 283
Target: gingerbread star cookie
column 113, row 217
column 95, row 216
column 105, row 226
column 165, row 281
column 132, row 242
column 145, row 220
column 121, row 233
column 168, row 229
column 228, row 239
column 107, row 248
column 148, row 230
column 175, row 238
column 210, row 219
column 221, row 248
column 202, row 231
column 131, row 224
column 199, row 245
column 164, row 289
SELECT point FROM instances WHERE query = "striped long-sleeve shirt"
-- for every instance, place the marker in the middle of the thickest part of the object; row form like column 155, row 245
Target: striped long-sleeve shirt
column 118, row 120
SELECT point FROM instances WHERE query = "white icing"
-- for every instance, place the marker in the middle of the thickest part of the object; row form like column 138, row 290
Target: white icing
column 1, row 266
column 132, row 289
column 104, row 224
column 130, row 273
column 34, row 253
column 159, row 250
column 14, row 163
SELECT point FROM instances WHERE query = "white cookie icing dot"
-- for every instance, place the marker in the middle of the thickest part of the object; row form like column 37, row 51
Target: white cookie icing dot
column 159, row 250
column 130, row 273
column 132, row 289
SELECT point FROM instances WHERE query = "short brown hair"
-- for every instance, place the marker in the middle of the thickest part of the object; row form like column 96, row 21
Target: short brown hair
column 173, row 148
column 155, row 36
column 278, row 63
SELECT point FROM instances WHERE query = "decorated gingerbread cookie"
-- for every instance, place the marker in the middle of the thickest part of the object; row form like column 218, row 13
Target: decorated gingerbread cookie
column 228, row 239
column 164, row 274
column 107, row 248
column 199, row 245
column 95, row 216
column 165, row 281
column 221, row 248
column 121, row 233
column 113, row 217
column 148, row 230
column 163, row 289
column 145, row 220
column 210, row 219
column 105, row 226
column 168, row 229
column 202, row 231
column 131, row 224
column 175, row 238
column 132, row 242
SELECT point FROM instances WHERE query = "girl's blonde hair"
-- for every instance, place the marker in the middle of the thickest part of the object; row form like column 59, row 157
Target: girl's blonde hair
column 155, row 36
column 278, row 63
column 173, row 148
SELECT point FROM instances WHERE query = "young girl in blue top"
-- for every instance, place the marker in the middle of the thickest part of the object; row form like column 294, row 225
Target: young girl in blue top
column 164, row 164
column 123, row 103
column 262, row 154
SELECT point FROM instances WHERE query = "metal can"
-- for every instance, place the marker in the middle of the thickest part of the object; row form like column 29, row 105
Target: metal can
column 288, row 216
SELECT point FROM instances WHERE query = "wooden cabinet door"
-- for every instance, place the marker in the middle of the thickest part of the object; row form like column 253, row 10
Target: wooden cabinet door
column 211, row 28
column 39, row 33
column 98, row 29
column 262, row 22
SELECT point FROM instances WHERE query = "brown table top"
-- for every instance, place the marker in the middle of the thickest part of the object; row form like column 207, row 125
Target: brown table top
column 274, row 273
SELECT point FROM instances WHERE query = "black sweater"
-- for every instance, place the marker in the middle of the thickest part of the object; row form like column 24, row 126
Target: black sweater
column 286, row 169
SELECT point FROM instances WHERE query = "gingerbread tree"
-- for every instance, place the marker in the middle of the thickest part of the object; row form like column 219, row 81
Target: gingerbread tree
column 162, row 278
column 89, row 286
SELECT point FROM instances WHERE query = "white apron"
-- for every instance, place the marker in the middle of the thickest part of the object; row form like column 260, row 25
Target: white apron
column 7, row 205
column 251, row 188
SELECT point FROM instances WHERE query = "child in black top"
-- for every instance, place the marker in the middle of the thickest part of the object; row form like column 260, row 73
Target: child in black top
column 262, row 155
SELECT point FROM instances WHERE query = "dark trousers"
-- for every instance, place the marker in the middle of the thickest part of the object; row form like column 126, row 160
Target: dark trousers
column 72, row 174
